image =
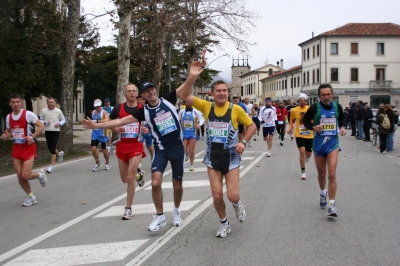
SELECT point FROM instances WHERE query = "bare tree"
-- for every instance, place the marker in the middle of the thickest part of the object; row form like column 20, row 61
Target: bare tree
column 68, row 71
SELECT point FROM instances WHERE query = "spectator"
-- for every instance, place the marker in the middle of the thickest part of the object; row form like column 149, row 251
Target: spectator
column 367, row 122
column 359, row 119
column 381, row 131
column 391, row 115
column 352, row 114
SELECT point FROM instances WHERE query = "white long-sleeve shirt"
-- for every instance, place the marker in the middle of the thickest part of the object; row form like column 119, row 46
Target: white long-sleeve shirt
column 268, row 115
column 197, row 114
column 51, row 117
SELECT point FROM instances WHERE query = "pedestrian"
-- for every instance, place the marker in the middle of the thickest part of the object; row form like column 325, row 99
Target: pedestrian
column 281, row 114
column 367, row 123
column 129, row 149
column 382, row 132
column 352, row 119
column 191, row 120
column 99, row 136
column 250, row 112
column 389, row 140
column 267, row 118
column 289, row 108
column 53, row 118
column 20, row 124
column 325, row 118
column 359, row 119
column 255, row 119
column 304, row 136
column 162, row 119
column 108, row 108
column 236, row 100
column 223, row 149
column 346, row 117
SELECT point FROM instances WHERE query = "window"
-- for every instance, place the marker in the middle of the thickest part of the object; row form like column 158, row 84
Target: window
column 308, row 53
column 291, row 82
column 381, row 49
column 294, row 83
column 317, row 75
column 334, row 74
column 304, row 78
column 308, row 77
column 304, row 55
column 380, row 74
column 313, row 76
column 298, row 81
column 354, row 48
column 285, row 84
column 270, row 72
column 313, row 51
column 354, row 74
column 317, row 49
column 334, row 48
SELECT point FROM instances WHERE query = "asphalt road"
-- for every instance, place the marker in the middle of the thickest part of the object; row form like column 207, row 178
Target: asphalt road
column 77, row 220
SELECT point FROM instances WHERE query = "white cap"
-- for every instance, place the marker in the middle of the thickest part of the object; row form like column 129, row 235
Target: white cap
column 97, row 102
column 303, row 95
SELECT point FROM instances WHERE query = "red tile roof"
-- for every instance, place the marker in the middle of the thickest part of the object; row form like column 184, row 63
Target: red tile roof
column 361, row 29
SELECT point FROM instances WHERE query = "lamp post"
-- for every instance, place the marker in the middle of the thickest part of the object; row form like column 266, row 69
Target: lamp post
column 216, row 59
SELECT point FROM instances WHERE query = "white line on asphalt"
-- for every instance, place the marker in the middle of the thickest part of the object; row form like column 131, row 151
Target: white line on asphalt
column 186, row 184
column 78, row 255
column 150, row 250
column 243, row 159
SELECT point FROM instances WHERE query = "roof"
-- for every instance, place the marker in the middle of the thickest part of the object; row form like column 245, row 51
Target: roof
column 282, row 72
column 362, row 29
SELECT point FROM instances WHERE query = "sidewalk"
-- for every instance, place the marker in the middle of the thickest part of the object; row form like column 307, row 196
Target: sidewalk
column 81, row 135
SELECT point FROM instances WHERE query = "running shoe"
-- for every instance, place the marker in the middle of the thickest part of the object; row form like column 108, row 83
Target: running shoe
column 187, row 157
column 307, row 159
column 30, row 200
column 159, row 221
column 255, row 138
column 60, row 156
column 108, row 166
column 303, row 176
column 191, row 168
column 140, row 179
column 224, row 230
column 96, row 167
column 42, row 178
column 177, row 221
column 202, row 138
column 50, row 169
column 322, row 200
column 109, row 149
column 240, row 212
column 332, row 211
column 291, row 137
column 268, row 154
column 281, row 143
column 127, row 214
column 249, row 143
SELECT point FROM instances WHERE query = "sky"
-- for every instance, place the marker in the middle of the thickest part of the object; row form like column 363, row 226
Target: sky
column 281, row 27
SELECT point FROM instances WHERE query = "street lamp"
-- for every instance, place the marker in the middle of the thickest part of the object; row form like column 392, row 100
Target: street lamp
column 216, row 59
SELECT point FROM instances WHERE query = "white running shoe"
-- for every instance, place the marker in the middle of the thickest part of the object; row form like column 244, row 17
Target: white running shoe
column 307, row 159
column 177, row 221
column 42, row 178
column 96, row 167
column 191, row 167
column 187, row 157
column 268, row 154
column 30, row 200
column 303, row 176
column 50, row 169
column 109, row 149
column 127, row 214
column 108, row 166
column 224, row 230
column 60, row 156
column 159, row 221
column 240, row 212
column 140, row 178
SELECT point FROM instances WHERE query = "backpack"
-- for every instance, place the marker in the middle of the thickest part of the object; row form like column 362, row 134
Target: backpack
column 386, row 122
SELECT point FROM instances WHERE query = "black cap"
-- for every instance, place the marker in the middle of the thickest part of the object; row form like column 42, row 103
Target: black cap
column 106, row 100
column 145, row 85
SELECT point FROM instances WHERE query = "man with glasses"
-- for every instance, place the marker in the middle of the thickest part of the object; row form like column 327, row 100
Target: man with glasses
column 304, row 136
column 325, row 118
column 267, row 116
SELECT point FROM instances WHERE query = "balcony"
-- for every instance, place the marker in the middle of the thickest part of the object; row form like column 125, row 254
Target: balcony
column 380, row 84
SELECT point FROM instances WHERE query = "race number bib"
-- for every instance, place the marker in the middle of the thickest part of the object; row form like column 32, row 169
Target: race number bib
column 303, row 130
column 165, row 123
column 281, row 122
column 187, row 124
column 328, row 126
column 18, row 135
column 131, row 130
column 218, row 132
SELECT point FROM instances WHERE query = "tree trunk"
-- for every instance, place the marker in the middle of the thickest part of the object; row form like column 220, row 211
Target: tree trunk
column 68, row 73
column 192, row 8
column 159, row 47
column 125, row 11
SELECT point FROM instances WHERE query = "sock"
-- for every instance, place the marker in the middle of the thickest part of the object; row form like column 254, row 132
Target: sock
column 160, row 214
column 331, row 202
column 225, row 220
column 303, row 170
column 236, row 204
column 30, row 194
column 323, row 192
column 126, row 207
column 176, row 209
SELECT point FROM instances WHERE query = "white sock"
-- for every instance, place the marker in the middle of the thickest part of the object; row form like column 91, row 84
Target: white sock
column 331, row 202
column 323, row 192
column 176, row 209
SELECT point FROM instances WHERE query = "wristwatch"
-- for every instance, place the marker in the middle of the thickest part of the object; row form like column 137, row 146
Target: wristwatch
column 244, row 142
column 34, row 139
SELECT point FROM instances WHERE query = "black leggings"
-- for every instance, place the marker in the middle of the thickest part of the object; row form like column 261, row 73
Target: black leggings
column 281, row 131
column 52, row 140
column 202, row 131
column 382, row 142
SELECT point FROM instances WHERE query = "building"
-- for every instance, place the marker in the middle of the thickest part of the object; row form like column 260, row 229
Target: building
column 239, row 67
column 360, row 60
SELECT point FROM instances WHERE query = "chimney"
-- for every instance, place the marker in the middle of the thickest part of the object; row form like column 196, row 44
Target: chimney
column 282, row 63
column 312, row 34
column 277, row 63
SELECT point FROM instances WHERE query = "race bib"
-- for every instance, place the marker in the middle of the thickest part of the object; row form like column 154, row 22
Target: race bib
column 303, row 130
column 18, row 135
column 165, row 123
column 218, row 132
column 281, row 122
column 187, row 124
column 328, row 126
column 131, row 130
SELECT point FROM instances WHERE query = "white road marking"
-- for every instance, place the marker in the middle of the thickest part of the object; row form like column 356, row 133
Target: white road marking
column 78, row 255
column 185, row 184
column 145, row 209
column 150, row 250
column 200, row 169
column 243, row 159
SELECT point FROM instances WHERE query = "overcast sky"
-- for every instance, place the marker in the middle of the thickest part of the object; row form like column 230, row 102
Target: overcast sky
column 282, row 26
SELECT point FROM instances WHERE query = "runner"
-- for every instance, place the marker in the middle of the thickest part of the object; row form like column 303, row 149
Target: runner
column 324, row 118
column 223, row 149
column 236, row 100
column 107, row 107
column 250, row 112
column 291, row 105
column 281, row 114
column 256, row 120
column 53, row 119
column 268, row 117
column 98, row 136
column 191, row 119
column 304, row 136
column 146, row 137
column 20, row 124
column 162, row 118
column 129, row 149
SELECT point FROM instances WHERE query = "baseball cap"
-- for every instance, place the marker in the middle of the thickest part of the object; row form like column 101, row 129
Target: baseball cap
column 145, row 85
column 106, row 100
column 303, row 95
column 235, row 96
column 268, row 99
column 97, row 102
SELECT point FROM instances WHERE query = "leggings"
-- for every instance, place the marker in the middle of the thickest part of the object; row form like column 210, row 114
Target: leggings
column 52, row 140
